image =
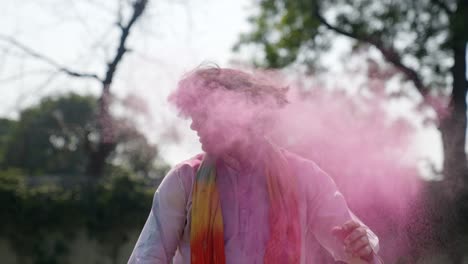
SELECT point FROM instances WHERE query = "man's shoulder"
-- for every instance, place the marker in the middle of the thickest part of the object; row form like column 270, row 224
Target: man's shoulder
column 306, row 169
column 298, row 162
column 193, row 161
column 189, row 165
column 183, row 173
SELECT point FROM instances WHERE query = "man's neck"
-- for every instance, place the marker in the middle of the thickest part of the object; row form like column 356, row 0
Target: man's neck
column 245, row 158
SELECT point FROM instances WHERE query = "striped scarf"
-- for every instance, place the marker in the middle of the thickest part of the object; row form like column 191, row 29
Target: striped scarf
column 207, row 236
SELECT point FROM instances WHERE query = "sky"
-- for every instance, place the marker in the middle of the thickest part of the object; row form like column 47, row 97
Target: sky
column 173, row 37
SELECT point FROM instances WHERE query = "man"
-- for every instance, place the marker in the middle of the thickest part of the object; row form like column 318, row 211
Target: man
column 245, row 200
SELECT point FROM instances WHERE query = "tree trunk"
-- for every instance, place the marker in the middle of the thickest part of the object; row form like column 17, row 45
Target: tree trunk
column 450, row 218
column 107, row 138
column 453, row 128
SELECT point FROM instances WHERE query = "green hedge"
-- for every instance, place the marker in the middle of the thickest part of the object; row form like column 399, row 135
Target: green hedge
column 39, row 221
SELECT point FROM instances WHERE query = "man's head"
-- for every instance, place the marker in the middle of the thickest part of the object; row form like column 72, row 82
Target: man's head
column 229, row 108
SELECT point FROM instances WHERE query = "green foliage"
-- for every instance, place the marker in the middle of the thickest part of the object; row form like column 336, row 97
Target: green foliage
column 283, row 29
column 40, row 221
column 6, row 128
column 41, row 215
column 288, row 31
column 49, row 137
column 136, row 154
column 56, row 137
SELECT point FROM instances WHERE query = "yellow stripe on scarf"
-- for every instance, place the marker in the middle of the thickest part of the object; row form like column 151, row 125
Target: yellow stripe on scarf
column 206, row 234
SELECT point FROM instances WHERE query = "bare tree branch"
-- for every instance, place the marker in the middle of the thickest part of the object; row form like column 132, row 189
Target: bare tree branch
column 107, row 134
column 107, row 131
column 33, row 92
column 120, row 14
column 138, row 8
column 51, row 62
column 15, row 77
column 389, row 53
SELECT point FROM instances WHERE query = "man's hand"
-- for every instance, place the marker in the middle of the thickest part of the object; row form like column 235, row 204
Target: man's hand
column 355, row 239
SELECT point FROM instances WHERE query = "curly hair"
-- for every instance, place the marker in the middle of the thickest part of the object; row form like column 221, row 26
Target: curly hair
column 214, row 82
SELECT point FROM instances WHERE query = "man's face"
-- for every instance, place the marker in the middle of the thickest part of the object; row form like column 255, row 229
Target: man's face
column 218, row 134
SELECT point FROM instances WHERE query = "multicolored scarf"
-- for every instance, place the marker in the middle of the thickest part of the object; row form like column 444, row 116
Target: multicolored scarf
column 207, row 235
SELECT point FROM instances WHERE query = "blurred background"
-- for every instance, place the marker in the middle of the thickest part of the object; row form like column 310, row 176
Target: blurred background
column 86, row 133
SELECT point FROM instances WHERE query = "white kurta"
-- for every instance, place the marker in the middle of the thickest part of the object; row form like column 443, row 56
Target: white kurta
column 244, row 203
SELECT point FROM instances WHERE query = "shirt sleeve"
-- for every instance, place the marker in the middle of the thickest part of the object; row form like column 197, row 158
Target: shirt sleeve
column 164, row 227
column 327, row 209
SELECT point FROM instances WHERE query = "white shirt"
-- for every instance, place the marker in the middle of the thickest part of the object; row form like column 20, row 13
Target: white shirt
column 244, row 204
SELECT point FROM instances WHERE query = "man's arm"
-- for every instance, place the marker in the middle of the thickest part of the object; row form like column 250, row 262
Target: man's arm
column 328, row 210
column 165, row 224
column 356, row 242
column 374, row 260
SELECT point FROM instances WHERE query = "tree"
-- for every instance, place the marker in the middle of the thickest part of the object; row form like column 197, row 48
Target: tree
column 107, row 138
column 48, row 138
column 425, row 41
column 6, row 127
column 57, row 135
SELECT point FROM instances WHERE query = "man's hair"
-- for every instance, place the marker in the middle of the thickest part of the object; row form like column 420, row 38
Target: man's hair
column 205, row 81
